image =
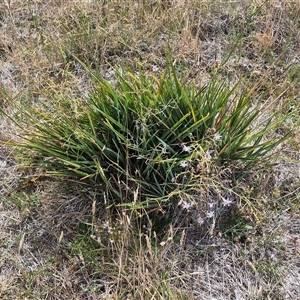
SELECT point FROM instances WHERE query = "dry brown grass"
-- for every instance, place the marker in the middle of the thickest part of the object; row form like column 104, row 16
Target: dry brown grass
column 46, row 249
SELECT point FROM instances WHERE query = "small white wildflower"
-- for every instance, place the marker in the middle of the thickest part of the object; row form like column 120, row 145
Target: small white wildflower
column 184, row 164
column 106, row 224
column 187, row 149
column 227, row 201
column 155, row 69
column 200, row 221
column 211, row 214
column 211, row 205
column 173, row 180
column 186, row 205
column 217, row 137
column 208, row 155
column 95, row 238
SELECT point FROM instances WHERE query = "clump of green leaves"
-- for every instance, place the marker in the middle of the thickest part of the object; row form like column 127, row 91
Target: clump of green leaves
column 142, row 137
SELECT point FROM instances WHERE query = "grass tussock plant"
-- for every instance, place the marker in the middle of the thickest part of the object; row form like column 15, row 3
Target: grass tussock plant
column 146, row 135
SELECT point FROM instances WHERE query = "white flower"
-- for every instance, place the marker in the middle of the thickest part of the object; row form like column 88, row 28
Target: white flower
column 186, row 205
column 184, row 164
column 97, row 239
column 211, row 205
column 106, row 224
column 208, row 155
column 227, row 201
column 200, row 221
column 187, row 149
column 217, row 137
column 211, row 214
column 155, row 69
